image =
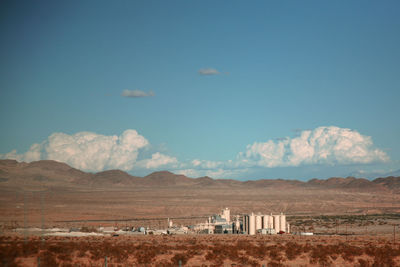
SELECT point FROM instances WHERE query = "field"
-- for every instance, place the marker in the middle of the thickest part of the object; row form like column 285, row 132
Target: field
column 201, row 250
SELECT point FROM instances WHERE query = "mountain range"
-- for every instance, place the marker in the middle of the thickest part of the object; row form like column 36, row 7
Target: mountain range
column 48, row 173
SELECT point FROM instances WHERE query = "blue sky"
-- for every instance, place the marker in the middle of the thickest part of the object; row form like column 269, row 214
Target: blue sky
column 281, row 69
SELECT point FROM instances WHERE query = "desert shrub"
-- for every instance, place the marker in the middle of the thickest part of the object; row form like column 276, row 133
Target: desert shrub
column 274, row 253
column 349, row 252
column 96, row 253
column 243, row 244
column 8, row 253
column 293, row 250
column 246, row 261
column 145, row 255
column 55, row 248
column 180, row 257
column 384, row 256
column 320, row 254
column 259, row 251
column 275, row 264
column 29, row 248
column 216, row 254
column 47, row 259
column 363, row 263
column 306, row 248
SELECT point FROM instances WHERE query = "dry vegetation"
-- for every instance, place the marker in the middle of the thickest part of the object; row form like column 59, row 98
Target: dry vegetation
column 202, row 250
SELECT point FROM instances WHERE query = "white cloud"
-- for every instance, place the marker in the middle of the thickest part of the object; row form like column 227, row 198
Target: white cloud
column 157, row 160
column 87, row 151
column 209, row 71
column 324, row 145
column 219, row 173
column 137, row 93
column 206, row 164
column 94, row 152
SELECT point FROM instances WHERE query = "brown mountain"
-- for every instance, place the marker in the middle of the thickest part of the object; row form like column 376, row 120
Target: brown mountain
column 71, row 194
column 349, row 183
column 165, row 178
column 115, row 177
column 50, row 173
column 391, row 182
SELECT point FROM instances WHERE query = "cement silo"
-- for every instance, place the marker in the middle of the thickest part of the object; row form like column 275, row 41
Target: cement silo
column 226, row 214
column 258, row 221
column 268, row 222
column 237, row 225
column 277, row 224
column 252, row 224
column 282, row 222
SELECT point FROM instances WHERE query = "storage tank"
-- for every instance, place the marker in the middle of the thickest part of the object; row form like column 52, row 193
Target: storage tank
column 252, row 224
column 287, row 228
column 277, row 224
column 282, row 221
column 258, row 222
column 226, row 213
column 237, row 225
column 268, row 222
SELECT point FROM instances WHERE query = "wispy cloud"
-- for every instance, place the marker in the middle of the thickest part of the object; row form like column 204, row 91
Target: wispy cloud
column 209, row 71
column 137, row 93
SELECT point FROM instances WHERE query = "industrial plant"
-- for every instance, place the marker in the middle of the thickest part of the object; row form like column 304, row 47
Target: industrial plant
column 250, row 224
column 222, row 223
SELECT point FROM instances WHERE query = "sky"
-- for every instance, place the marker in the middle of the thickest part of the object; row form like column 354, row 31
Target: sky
column 227, row 89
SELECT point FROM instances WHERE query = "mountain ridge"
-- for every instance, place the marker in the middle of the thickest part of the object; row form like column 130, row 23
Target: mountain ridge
column 53, row 173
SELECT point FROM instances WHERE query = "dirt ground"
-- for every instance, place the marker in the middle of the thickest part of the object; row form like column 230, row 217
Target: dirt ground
column 56, row 206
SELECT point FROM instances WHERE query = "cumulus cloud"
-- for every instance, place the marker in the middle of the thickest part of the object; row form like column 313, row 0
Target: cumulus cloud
column 92, row 152
column 324, row 145
column 137, row 93
column 95, row 152
column 209, row 71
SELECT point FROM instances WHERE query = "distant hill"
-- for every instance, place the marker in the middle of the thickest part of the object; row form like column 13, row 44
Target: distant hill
column 48, row 173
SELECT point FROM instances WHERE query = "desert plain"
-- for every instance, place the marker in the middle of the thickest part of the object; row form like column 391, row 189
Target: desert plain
column 354, row 220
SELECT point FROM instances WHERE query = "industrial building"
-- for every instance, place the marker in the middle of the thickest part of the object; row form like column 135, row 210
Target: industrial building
column 264, row 224
column 250, row 224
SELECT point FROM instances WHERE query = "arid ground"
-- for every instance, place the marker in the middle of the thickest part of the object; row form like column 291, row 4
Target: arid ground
column 201, row 250
column 356, row 218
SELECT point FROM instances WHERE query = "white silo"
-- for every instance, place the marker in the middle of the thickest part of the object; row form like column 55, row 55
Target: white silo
column 271, row 221
column 277, row 224
column 258, row 221
column 267, row 222
column 282, row 221
column 287, row 228
column 252, row 224
column 237, row 224
column 226, row 213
